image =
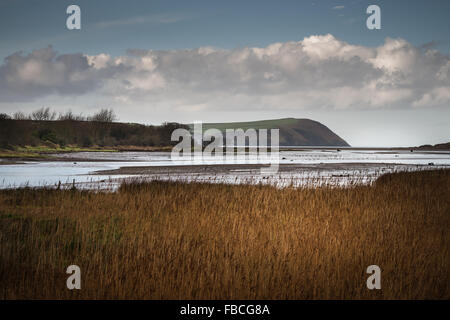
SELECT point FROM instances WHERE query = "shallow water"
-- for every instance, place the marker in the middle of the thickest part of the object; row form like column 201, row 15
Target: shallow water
column 51, row 173
column 310, row 156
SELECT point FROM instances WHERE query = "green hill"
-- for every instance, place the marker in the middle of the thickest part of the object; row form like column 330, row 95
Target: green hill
column 293, row 132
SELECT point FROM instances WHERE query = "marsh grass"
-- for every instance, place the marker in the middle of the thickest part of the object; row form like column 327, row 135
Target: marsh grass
column 173, row 240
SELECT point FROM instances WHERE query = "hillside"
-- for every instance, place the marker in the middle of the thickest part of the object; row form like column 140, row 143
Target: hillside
column 13, row 133
column 440, row 146
column 293, row 132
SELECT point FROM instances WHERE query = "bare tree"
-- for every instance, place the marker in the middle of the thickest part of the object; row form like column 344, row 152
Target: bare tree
column 19, row 115
column 69, row 115
column 43, row 114
column 4, row 116
column 104, row 115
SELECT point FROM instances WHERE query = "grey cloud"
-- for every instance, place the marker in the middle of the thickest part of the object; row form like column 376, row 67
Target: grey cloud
column 42, row 72
column 154, row 18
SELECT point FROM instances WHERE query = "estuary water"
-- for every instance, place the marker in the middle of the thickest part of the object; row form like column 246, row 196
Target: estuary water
column 335, row 166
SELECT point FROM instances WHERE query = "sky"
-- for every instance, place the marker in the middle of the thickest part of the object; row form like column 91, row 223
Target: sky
column 213, row 61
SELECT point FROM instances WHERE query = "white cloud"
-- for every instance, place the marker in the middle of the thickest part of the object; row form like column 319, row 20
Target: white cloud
column 319, row 72
column 396, row 55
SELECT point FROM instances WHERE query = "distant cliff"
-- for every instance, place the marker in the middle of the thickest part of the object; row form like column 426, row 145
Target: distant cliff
column 293, row 132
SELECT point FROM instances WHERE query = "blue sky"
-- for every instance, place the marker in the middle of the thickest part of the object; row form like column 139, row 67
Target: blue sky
column 257, row 60
column 114, row 26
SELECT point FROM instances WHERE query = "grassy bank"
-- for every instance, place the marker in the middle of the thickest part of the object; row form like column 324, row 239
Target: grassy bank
column 41, row 152
column 165, row 240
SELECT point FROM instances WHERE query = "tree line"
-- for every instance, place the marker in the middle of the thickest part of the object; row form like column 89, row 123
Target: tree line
column 46, row 114
column 46, row 127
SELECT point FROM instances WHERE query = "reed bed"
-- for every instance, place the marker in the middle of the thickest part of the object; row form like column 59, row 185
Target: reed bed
column 175, row 240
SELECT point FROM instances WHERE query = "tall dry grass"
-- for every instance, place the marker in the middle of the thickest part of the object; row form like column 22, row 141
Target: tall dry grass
column 169, row 240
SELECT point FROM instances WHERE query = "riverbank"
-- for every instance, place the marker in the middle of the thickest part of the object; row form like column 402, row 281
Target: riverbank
column 43, row 152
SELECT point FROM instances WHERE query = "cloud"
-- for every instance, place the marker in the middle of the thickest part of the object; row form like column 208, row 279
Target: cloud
column 435, row 97
column 154, row 19
column 43, row 72
column 318, row 72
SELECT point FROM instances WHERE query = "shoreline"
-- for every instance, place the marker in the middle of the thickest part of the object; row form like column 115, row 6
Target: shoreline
column 44, row 153
column 248, row 168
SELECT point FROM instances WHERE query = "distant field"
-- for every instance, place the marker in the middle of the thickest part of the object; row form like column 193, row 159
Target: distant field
column 264, row 124
column 164, row 240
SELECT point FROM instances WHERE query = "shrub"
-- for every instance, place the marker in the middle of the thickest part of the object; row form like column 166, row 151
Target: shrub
column 47, row 135
column 87, row 142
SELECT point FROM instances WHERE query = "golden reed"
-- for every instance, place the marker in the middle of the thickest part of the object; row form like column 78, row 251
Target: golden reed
column 173, row 240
